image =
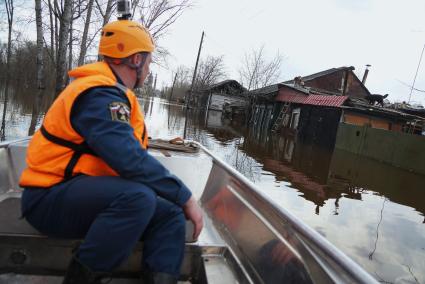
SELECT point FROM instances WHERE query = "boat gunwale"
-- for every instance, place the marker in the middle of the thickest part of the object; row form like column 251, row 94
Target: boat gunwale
column 5, row 144
column 310, row 235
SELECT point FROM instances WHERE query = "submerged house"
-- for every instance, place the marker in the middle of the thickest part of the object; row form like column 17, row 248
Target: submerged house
column 309, row 105
column 332, row 82
column 262, row 107
column 312, row 108
column 218, row 95
column 357, row 112
column 312, row 115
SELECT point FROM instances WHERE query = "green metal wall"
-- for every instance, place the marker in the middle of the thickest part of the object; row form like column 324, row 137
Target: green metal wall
column 402, row 150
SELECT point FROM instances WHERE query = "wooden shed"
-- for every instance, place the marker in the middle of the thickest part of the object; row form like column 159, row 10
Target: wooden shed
column 218, row 95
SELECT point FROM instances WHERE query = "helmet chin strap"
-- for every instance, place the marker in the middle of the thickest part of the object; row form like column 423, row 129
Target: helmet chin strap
column 137, row 67
column 138, row 75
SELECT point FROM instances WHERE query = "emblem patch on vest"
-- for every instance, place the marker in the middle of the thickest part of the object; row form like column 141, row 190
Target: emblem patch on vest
column 120, row 112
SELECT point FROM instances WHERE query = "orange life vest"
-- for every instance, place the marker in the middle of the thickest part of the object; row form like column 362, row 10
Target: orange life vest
column 57, row 152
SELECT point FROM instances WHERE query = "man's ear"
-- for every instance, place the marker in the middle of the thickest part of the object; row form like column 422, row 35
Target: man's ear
column 135, row 59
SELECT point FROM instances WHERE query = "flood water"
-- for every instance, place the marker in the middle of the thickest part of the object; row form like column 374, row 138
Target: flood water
column 371, row 211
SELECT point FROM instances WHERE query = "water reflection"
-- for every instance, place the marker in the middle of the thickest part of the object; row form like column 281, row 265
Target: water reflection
column 397, row 185
column 17, row 121
column 372, row 211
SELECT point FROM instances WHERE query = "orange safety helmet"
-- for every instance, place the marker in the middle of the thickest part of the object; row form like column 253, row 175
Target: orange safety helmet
column 123, row 38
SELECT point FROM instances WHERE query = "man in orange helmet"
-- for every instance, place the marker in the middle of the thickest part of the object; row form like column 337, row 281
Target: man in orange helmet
column 90, row 176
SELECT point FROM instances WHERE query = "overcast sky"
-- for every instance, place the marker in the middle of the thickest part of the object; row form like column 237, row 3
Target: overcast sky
column 312, row 35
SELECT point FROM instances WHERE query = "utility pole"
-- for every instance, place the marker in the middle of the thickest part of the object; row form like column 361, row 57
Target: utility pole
column 172, row 88
column 154, row 84
column 169, row 99
column 193, row 82
column 196, row 66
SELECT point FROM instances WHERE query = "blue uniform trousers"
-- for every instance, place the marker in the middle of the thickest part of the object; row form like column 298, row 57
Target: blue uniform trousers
column 111, row 214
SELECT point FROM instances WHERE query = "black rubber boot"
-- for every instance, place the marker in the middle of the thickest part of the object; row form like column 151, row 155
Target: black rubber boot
column 158, row 278
column 78, row 273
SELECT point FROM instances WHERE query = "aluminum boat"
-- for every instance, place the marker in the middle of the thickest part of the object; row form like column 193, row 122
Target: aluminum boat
column 247, row 238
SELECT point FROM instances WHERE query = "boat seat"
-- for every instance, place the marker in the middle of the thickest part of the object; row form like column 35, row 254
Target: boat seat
column 11, row 223
column 25, row 250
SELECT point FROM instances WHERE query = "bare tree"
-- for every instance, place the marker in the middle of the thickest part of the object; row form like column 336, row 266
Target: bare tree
column 77, row 9
column 210, row 71
column 83, row 46
column 182, row 85
column 105, row 11
column 257, row 72
column 58, row 37
column 40, row 68
column 70, row 42
column 56, row 11
column 159, row 15
column 156, row 15
column 52, row 33
column 183, row 76
column 65, row 15
column 10, row 13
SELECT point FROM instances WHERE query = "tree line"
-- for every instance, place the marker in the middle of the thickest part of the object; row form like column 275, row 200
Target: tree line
column 256, row 70
column 67, row 32
column 66, row 36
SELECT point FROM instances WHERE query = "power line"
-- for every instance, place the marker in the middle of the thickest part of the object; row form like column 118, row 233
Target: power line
column 417, row 70
column 410, row 86
column 220, row 46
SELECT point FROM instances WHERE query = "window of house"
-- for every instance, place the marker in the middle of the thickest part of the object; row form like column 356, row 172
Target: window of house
column 295, row 118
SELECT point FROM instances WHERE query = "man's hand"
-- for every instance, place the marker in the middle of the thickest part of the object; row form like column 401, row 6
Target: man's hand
column 193, row 212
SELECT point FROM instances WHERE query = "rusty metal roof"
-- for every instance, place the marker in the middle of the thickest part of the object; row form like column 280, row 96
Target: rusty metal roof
column 317, row 100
